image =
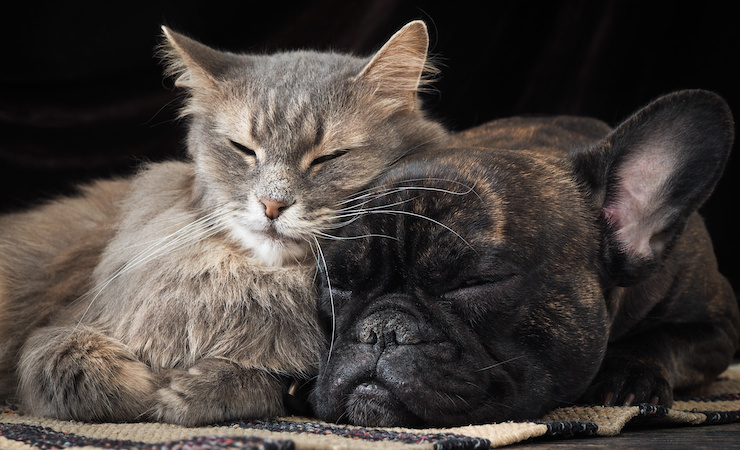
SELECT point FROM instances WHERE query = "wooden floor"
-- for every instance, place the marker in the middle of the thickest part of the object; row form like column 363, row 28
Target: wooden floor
column 710, row 437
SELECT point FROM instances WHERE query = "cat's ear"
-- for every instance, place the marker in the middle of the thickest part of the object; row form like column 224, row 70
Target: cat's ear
column 193, row 64
column 395, row 71
column 651, row 173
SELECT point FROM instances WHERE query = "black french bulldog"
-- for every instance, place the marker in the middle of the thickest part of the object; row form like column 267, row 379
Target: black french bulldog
column 546, row 261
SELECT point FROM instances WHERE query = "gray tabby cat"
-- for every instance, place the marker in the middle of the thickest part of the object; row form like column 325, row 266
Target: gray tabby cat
column 184, row 294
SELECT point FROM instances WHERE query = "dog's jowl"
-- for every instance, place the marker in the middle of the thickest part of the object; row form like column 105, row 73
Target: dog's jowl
column 541, row 262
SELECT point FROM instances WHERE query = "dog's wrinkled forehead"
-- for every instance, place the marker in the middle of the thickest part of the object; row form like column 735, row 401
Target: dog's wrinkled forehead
column 440, row 215
column 449, row 200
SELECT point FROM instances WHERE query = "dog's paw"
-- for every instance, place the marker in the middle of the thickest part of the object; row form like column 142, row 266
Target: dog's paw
column 623, row 382
column 215, row 391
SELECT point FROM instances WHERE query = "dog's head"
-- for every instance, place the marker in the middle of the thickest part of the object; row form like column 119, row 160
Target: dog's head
column 470, row 285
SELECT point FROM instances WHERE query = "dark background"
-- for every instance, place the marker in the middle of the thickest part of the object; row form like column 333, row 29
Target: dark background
column 81, row 95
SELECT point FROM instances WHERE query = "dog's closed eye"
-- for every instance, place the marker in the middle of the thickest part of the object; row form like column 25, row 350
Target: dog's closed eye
column 478, row 296
column 487, row 279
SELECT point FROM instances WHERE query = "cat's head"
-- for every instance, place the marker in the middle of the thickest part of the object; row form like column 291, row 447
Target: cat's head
column 279, row 140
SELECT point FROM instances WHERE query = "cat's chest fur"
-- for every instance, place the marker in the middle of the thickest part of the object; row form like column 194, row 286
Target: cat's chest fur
column 187, row 291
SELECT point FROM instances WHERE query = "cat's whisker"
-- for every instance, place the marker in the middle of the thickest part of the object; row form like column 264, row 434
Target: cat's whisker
column 331, row 300
column 193, row 224
column 175, row 240
column 343, row 238
column 374, row 208
column 344, row 223
column 207, row 226
column 500, row 363
column 366, row 195
column 378, row 192
column 437, row 179
column 314, row 254
column 361, row 208
column 421, row 216
column 433, row 189
column 292, row 255
column 331, row 224
column 355, row 211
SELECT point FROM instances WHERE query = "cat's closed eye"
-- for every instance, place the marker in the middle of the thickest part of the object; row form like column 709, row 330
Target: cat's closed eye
column 325, row 158
column 243, row 148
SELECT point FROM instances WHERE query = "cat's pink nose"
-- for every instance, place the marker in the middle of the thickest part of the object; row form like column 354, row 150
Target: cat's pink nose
column 273, row 208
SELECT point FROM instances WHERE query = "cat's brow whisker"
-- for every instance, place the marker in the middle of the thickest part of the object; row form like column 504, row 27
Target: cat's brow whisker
column 150, row 121
column 421, row 144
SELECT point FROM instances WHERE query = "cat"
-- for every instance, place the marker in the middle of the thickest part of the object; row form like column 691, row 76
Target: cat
column 184, row 293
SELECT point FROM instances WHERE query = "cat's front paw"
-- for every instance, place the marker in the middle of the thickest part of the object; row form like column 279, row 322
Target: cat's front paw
column 79, row 373
column 215, row 391
column 623, row 381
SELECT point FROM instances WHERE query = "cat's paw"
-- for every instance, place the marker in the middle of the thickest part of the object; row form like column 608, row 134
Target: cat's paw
column 623, row 381
column 82, row 374
column 215, row 391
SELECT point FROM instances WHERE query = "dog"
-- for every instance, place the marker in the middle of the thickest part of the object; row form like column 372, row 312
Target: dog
column 541, row 262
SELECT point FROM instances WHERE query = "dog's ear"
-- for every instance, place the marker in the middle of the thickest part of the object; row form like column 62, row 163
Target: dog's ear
column 652, row 172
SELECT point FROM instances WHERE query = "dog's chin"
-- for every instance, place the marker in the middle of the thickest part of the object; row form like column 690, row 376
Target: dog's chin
column 371, row 404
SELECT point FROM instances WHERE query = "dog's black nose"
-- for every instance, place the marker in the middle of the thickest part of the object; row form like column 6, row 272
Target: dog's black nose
column 389, row 327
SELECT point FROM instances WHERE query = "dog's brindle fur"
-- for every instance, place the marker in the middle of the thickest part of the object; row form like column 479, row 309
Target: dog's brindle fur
column 576, row 269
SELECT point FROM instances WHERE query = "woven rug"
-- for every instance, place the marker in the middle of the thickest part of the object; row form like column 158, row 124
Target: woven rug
column 720, row 406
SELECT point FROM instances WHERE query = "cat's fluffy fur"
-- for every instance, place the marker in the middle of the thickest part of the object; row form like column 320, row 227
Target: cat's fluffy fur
column 185, row 293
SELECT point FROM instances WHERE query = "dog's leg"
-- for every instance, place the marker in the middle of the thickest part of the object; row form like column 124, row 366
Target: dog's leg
column 81, row 374
column 684, row 342
column 649, row 366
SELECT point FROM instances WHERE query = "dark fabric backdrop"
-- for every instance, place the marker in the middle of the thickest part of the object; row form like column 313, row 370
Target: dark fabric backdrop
column 81, row 95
